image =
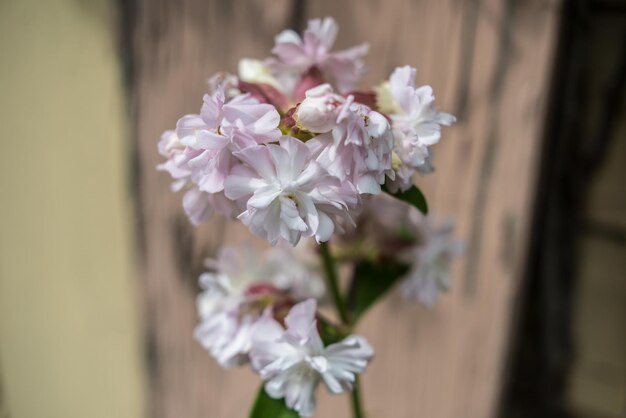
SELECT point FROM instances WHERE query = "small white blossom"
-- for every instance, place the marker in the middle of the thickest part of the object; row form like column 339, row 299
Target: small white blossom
column 431, row 259
column 293, row 361
column 416, row 122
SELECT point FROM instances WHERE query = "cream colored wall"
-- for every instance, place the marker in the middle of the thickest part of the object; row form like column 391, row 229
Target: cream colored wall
column 69, row 341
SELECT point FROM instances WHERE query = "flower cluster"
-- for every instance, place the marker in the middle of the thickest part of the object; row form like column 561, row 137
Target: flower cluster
column 291, row 149
column 235, row 295
column 262, row 310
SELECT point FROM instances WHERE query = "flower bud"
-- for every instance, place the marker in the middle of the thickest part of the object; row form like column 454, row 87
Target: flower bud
column 318, row 111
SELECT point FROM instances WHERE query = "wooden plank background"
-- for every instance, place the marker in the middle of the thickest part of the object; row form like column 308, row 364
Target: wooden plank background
column 489, row 62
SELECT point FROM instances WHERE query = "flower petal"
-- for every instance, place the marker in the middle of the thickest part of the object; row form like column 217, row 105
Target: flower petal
column 263, row 197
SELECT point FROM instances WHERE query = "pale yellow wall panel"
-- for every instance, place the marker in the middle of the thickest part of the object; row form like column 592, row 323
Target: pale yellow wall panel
column 69, row 335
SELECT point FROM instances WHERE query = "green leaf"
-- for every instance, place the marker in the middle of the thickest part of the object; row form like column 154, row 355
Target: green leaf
column 266, row 407
column 413, row 196
column 370, row 282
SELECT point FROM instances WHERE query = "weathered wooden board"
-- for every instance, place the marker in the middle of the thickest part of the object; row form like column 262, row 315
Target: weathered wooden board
column 489, row 62
column 177, row 46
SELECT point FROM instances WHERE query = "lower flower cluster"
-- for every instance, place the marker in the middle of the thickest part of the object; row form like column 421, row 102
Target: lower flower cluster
column 260, row 308
column 251, row 312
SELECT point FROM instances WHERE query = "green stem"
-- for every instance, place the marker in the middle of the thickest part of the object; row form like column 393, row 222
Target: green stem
column 333, row 282
column 357, row 408
column 333, row 285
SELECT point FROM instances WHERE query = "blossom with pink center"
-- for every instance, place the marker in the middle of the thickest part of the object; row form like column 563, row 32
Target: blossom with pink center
column 228, row 311
column 358, row 148
column 244, row 284
column 296, row 55
column 293, row 361
column 288, row 194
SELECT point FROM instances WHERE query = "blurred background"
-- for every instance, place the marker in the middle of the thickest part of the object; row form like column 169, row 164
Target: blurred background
column 98, row 264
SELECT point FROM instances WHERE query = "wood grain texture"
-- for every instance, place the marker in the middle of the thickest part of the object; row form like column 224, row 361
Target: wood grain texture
column 489, row 61
column 177, row 46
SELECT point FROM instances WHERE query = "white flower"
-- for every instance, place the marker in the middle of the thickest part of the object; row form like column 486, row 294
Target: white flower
column 293, row 361
column 431, row 259
column 416, row 115
column 288, row 194
column 416, row 122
